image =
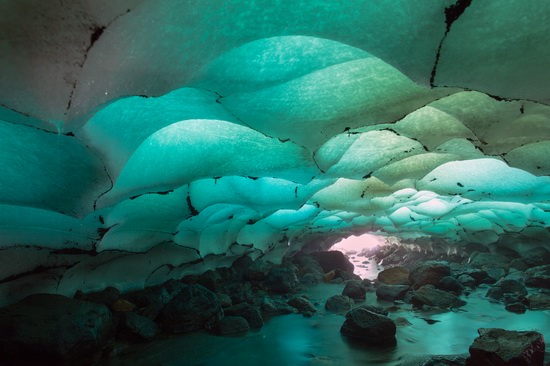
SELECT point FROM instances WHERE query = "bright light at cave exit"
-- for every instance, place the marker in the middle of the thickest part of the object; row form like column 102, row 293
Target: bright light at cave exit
column 356, row 248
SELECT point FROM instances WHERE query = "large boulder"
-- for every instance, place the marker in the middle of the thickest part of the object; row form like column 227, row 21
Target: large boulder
column 138, row 327
column 506, row 287
column 538, row 276
column 332, row 260
column 339, row 303
column 369, row 327
column 430, row 296
column 272, row 307
column 499, row 347
column 258, row 270
column 195, row 307
column 429, row 273
column 46, row 329
column 539, row 301
column 450, row 284
column 231, row 325
column 282, row 280
column 252, row 315
column 391, row 292
column 303, row 305
column 355, row 290
column 394, row 276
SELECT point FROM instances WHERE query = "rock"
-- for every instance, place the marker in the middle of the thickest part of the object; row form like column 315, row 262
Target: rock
column 449, row 284
column 355, row 290
column 106, row 297
column 480, row 260
column 507, row 348
column 308, row 265
column 467, row 281
column 494, row 274
column 332, row 260
column 211, row 280
column 394, row 276
column 271, row 307
column 231, row 325
column 239, row 267
column 123, row 306
column 282, row 280
column 433, row 360
column 504, row 286
column 518, row 265
column 240, row 292
column 374, row 309
column 430, row 296
column 225, row 300
column 391, row 292
column 46, row 329
column 249, row 312
column 516, row 307
column 538, row 277
column 537, row 256
column 539, row 301
column 402, row 322
column 139, row 326
column 369, row 327
column 153, row 299
column 429, row 273
column 477, row 274
column 258, row 270
column 303, row 305
column 195, row 307
column 339, row 303
column 311, row 279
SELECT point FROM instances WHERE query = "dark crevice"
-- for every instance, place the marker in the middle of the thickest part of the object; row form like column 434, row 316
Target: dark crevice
column 162, row 193
column 452, row 13
column 192, row 208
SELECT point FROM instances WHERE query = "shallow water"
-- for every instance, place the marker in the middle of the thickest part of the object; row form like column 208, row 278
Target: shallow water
column 296, row 340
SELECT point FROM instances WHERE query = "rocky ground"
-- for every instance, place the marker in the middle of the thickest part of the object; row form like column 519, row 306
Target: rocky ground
column 49, row 329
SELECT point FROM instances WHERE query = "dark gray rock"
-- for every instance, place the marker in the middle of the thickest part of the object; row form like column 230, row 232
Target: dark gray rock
column 519, row 265
column 516, row 307
column 332, row 260
column 539, row 301
column 433, row 360
column 394, row 276
column 231, row 325
column 195, row 307
column 429, row 273
column 225, row 300
column 282, row 280
column 502, row 287
column 480, row 260
column 139, row 327
column 339, row 303
column 494, row 273
column 507, row 348
column 240, row 292
column 391, row 292
column 355, row 290
column 211, row 280
column 537, row 256
column 271, row 307
column 46, row 329
column 106, row 297
column 369, row 327
column 311, row 279
column 153, row 299
column 258, row 270
column 303, row 305
column 374, row 309
column 450, row 284
column 467, row 281
column 538, row 277
column 252, row 315
column 308, row 265
column 430, row 296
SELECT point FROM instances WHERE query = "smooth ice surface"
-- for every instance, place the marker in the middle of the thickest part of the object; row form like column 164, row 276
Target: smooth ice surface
column 146, row 140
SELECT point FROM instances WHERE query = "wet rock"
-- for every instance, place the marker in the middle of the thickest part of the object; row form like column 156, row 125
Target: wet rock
column 123, row 306
column 477, row 274
column 308, row 265
column 282, row 280
column 391, row 292
column 238, row 268
column 539, row 301
column 151, row 300
column 303, row 305
column 494, row 274
column 402, row 322
column 518, row 265
column 429, row 273
column 140, row 327
column 433, row 360
column 258, row 270
column 502, row 287
column 355, row 290
column 332, row 260
column 430, row 296
column 311, row 279
column 252, row 315
column 231, row 325
column 537, row 256
column 195, row 307
column 240, row 292
column 271, row 307
column 449, row 284
column 507, row 348
column 467, row 281
column 106, row 297
column 46, row 329
column 211, row 280
column 374, row 309
column 538, row 277
column 225, row 300
column 369, row 327
column 339, row 303
column 516, row 307
column 394, row 276
column 481, row 260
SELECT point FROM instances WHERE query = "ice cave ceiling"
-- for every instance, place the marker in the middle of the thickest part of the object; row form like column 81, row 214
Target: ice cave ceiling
column 145, row 139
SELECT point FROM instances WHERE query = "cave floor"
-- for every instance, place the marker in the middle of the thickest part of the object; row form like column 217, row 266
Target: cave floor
column 298, row 340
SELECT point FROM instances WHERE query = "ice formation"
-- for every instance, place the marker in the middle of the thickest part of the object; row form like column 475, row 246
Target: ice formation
column 143, row 140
